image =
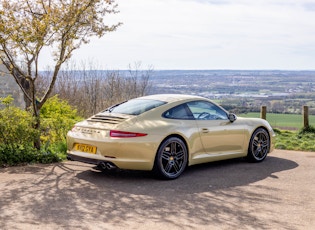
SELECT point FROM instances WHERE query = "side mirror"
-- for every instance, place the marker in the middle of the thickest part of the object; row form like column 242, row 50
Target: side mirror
column 232, row 117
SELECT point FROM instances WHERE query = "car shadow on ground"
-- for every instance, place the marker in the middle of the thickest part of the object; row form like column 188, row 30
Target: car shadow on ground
column 72, row 195
column 196, row 179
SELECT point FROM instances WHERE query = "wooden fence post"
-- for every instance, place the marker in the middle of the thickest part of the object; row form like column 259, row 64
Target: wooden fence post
column 305, row 117
column 263, row 112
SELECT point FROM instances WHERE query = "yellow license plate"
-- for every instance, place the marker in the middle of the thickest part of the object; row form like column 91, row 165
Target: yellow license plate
column 85, row 148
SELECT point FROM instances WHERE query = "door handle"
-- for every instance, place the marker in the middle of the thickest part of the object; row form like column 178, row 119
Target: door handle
column 205, row 130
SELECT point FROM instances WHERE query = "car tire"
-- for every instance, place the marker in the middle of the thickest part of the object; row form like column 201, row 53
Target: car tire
column 171, row 158
column 259, row 145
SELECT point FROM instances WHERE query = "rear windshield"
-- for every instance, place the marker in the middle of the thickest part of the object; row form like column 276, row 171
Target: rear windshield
column 135, row 106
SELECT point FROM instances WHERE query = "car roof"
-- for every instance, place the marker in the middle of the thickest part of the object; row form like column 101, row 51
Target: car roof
column 170, row 97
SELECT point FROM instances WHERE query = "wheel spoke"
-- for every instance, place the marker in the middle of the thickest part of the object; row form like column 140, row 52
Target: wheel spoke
column 255, row 142
column 176, row 166
column 257, row 152
column 166, row 155
column 264, row 144
column 168, row 167
column 173, row 148
column 179, row 156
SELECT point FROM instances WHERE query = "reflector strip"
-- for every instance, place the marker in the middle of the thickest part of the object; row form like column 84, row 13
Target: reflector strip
column 122, row 134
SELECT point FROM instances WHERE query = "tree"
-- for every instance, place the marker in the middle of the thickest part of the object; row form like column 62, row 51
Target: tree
column 91, row 90
column 28, row 26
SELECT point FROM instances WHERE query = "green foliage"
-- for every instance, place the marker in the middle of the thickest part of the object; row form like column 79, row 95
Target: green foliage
column 307, row 130
column 283, row 121
column 27, row 27
column 302, row 139
column 17, row 154
column 7, row 101
column 58, row 117
column 295, row 140
column 16, row 126
column 17, row 134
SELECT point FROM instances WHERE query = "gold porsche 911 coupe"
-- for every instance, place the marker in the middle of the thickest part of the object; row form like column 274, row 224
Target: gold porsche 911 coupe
column 166, row 133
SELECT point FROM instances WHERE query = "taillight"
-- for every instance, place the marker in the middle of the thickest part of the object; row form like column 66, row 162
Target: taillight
column 122, row 134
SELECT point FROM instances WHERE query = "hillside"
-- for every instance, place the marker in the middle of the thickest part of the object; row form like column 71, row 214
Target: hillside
column 281, row 91
column 8, row 86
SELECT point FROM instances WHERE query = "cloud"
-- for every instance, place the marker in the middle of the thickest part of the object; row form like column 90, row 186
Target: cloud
column 205, row 34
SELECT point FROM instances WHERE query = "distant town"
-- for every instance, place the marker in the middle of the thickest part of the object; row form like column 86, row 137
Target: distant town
column 239, row 91
column 242, row 90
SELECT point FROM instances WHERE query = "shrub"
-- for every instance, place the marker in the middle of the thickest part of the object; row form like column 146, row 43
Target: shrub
column 307, row 130
column 17, row 134
column 16, row 126
column 57, row 117
column 15, row 154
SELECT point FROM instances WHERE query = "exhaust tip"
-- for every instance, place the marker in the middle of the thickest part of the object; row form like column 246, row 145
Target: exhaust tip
column 106, row 166
column 110, row 166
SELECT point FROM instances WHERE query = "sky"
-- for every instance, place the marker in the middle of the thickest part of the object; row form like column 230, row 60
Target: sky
column 207, row 34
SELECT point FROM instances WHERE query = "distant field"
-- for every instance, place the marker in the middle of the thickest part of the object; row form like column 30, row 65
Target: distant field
column 283, row 121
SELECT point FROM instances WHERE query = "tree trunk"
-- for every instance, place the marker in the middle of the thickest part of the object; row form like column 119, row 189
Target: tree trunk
column 37, row 143
column 36, row 113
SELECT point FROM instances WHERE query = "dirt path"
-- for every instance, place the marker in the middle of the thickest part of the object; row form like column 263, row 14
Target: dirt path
column 276, row 194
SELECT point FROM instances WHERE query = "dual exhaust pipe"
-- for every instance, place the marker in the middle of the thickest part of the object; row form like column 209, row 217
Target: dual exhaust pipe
column 106, row 165
column 103, row 165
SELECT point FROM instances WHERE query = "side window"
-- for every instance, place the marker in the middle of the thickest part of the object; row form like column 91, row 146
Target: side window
column 179, row 112
column 204, row 110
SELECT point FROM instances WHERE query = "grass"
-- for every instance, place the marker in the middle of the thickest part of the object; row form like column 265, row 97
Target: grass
column 302, row 140
column 289, row 132
column 283, row 121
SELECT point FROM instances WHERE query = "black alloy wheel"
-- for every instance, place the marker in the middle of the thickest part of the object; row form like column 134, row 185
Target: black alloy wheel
column 171, row 158
column 259, row 145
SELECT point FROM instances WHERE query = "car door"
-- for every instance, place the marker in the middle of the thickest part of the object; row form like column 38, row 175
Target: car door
column 181, row 117
column 219, row 136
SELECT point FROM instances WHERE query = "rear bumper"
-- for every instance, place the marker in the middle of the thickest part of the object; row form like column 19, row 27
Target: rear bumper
column 73, row 157
column 100, row 163
column 121, row 163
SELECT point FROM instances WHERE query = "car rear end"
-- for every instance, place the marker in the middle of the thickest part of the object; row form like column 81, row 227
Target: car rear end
column 116, row 137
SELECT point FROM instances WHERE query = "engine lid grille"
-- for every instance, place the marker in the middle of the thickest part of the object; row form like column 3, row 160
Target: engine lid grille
column 107, row 119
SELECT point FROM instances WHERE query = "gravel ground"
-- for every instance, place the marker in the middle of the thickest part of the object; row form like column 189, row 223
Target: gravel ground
column 275, row 194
